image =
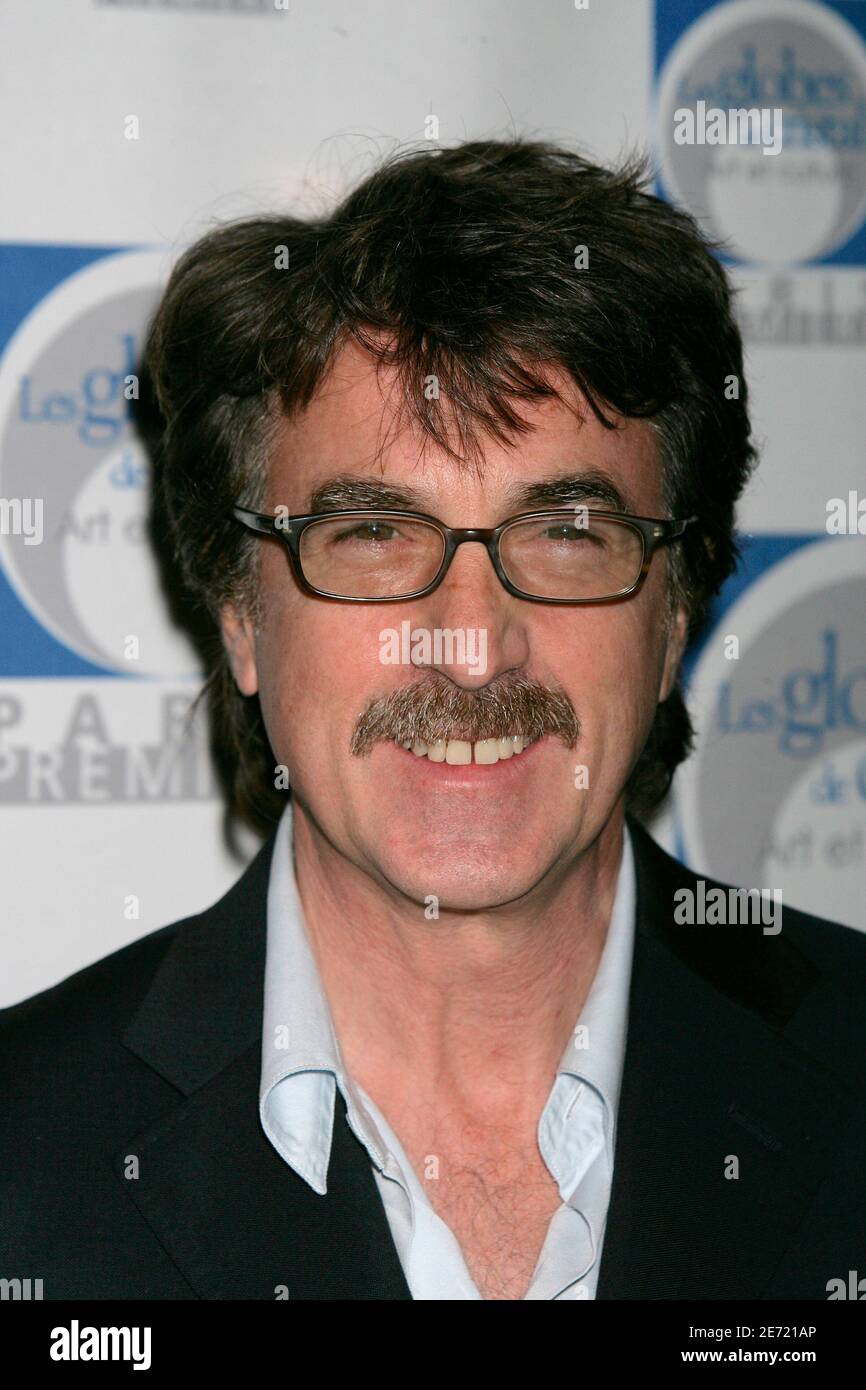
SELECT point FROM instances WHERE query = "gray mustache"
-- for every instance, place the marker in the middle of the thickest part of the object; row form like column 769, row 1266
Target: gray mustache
column 434, row 708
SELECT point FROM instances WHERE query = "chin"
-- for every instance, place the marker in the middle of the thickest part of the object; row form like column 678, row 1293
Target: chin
column 486, row 826
column 464, row 877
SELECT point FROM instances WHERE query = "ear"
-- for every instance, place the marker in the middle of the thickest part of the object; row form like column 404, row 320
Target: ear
column 239, row 641
column 676, row 645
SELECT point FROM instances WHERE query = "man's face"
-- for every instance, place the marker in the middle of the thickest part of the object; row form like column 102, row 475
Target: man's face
column 477, row 835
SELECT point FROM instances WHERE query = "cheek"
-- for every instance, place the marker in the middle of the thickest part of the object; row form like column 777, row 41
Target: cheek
column 609, row 656
column 610, row 663
column 318, row 662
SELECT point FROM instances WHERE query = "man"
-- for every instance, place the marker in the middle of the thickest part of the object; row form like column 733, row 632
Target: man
column 454, row 470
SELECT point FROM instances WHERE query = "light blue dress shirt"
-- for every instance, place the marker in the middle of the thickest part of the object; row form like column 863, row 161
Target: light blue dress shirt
column 302, row 1066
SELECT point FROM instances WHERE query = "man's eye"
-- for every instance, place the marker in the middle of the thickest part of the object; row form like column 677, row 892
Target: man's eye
column 368, row 531
column 564, row 531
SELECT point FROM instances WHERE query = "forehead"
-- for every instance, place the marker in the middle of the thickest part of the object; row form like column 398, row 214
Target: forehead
column 358, row 424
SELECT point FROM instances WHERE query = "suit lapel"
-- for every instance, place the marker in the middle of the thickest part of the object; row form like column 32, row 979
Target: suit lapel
column 234, row 1218
column 240, row 1224
column 711, row 1081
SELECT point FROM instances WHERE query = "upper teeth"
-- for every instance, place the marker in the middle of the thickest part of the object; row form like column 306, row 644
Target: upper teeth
column 458, row 750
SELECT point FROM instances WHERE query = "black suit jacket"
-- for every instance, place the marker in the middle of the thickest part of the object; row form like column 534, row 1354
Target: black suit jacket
column 133, row 1163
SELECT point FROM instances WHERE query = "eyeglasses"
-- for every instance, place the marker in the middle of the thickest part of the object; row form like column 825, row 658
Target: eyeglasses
column 367, row 555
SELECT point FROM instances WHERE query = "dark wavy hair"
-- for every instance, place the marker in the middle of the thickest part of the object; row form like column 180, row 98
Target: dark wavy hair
column 458, row 263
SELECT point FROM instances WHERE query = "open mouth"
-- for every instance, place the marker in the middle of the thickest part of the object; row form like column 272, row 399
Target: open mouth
column 460, row 753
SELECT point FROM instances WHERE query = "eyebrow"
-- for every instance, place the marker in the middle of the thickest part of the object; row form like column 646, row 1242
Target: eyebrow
column 349, row 490
column 353, row 491
column 590, row 485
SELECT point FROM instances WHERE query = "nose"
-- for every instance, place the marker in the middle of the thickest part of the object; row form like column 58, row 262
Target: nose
column 488, row 627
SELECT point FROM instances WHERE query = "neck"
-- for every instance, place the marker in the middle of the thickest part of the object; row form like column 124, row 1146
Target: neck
column 472, row 1010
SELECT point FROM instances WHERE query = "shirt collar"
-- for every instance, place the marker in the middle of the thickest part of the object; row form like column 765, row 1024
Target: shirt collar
column 298, row 1037
column 596, row 1049
column 579, row 1120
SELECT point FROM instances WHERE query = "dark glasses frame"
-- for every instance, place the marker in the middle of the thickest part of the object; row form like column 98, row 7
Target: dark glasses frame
column 653, row 531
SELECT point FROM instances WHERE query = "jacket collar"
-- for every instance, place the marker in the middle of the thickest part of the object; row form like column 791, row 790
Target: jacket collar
column 709, row 1077
column 204, row 1006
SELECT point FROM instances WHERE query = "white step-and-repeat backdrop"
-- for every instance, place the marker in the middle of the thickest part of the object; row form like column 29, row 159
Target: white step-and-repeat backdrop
column 131, row 125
